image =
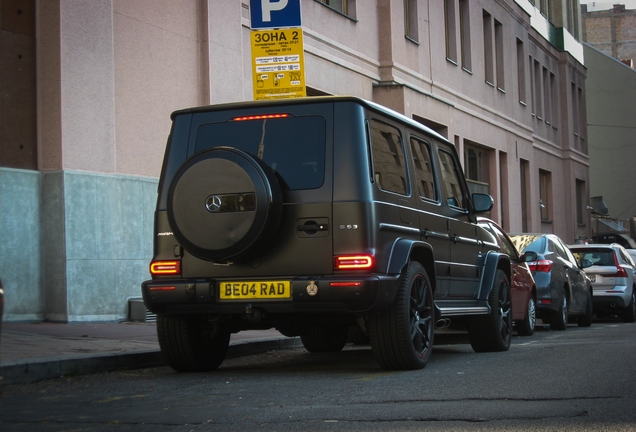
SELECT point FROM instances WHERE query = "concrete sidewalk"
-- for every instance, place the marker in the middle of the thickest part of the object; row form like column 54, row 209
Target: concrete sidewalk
column 36, row 351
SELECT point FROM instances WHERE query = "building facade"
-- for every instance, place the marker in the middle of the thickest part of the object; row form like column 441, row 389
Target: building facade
column 611, row 103
column 89, row 86
column 612, row 31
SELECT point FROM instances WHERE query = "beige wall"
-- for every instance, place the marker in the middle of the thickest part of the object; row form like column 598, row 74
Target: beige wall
column 156, row 66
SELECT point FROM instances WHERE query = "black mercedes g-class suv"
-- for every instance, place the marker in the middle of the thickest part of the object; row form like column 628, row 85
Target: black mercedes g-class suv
column 313, row 216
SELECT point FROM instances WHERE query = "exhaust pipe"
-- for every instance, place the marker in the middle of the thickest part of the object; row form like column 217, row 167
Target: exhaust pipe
column 442, row 324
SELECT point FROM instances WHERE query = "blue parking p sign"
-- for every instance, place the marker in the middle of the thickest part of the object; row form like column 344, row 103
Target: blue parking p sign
column 267, row 14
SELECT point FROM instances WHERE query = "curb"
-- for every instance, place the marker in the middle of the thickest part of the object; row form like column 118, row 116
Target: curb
column 37, row 371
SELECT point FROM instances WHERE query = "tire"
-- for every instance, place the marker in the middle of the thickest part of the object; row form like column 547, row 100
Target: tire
column 190, row 344
column 585, row 320
column 224, row 204
column 526, row 326
column 493, row 332
column 402, row 336
column 559, row 318
column 325, row 338
column 629, row 313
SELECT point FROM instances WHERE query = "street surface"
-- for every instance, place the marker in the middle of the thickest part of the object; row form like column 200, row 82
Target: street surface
column 582, row 379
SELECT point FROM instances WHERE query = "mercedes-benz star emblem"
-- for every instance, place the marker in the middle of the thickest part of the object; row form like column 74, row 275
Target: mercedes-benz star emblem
column 213, row 203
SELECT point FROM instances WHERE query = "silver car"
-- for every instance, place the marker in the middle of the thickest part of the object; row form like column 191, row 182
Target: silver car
column 611, row 270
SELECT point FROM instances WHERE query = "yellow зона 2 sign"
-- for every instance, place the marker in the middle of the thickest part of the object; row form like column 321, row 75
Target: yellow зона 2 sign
column 278, row 64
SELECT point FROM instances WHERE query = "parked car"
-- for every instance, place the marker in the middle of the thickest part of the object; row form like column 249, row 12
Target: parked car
column 311, row 215
column 611, row 269
column 563, row 288
column 524, row 291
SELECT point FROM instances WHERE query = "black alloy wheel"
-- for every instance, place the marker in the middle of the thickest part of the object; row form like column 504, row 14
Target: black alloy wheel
column 493, row 332
column 402, row 337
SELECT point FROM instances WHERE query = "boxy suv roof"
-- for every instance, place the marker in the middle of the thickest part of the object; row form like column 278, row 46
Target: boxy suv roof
column 314, row 216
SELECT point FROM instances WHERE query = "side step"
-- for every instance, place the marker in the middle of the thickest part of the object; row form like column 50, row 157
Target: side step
column 446, row 308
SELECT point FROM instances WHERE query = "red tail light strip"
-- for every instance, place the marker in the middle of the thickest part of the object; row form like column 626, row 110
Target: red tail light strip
column 261, row 117
column 165, row 267
column 354, row 262
column 162, row 288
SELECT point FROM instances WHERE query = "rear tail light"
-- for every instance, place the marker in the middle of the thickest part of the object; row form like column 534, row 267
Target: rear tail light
column 353, row 262
column 158, row 268
column 540, row 266
column 620, row 271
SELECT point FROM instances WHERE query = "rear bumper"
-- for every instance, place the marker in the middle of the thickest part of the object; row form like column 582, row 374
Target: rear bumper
column 548, row 298
column 200, row 296
column 603, row 300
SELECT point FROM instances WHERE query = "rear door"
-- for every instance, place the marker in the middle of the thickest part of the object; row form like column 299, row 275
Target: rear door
column 433, row 224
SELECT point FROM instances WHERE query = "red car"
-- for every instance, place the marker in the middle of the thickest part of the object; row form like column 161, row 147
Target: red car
column 524, row 291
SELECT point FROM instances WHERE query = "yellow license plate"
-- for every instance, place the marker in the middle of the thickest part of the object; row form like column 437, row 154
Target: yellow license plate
column 254, row 290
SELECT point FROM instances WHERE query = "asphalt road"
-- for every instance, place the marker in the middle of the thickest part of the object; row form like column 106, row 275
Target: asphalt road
column 582, row 379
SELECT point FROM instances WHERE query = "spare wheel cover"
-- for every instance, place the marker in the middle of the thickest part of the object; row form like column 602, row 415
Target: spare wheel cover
column 224, row 204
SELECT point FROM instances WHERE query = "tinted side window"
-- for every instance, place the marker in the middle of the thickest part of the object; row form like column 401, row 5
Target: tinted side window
column 388, row 158
column 426, row 186
column 293, row 147
column 450, row 176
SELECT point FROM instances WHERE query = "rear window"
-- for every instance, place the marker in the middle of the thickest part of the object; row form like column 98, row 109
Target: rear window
column 598, row 257
column 525, row 243
column 294, row 147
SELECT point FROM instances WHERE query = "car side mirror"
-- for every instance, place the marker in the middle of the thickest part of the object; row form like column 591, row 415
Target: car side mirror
column 529, row 256
column 482, row 203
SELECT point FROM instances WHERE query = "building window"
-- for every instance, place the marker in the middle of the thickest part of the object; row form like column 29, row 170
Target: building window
column 532, row 90
column 545, row 196
column 581, row 112
column 547, row 96
column 521, row 72
column 464, row 34
column 451, row 30
column 523, row 172
column 488, row 49
column 476, row 167
column 537, row 91
column 504, row 207
column 499, row 55
column 575, row 11
column 410, row 20
column 346, row 7
column 575, row 109
column 580, row 204
column 553, row 99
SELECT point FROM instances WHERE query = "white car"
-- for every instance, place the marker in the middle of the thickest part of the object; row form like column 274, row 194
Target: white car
column 611, row 269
